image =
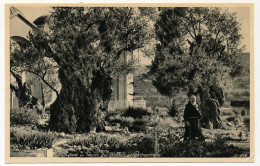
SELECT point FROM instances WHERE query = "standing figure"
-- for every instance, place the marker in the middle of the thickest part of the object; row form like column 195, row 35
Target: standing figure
column 192, row 117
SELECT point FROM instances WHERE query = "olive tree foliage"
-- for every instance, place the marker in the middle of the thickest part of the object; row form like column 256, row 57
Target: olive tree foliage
column 199, row 49
column 39, row 72
column 88, row 44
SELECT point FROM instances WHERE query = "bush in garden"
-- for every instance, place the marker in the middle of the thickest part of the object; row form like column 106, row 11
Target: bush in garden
column 169, row 137
column 173, row 110
column 140, row 143
column 124, row 121
column 136, row 112
column 115, row 112
column 146, row 145
column 183, row 149
column 115, row 119
column 112, row 143
column 23, row 139
column 218, row 148
column 23, row 116
column 139, row 125
column 102, row 145
column 127, row 121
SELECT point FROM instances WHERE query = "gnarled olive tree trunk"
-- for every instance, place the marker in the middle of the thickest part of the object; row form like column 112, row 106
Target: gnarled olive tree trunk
column 77, row 102
column 211, row 98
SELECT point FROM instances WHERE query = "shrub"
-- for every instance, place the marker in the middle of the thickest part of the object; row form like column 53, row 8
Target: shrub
column 136, row 112
column 23, row 139
column 140, row 143
column 184, row 149
column 218, row 148
column 124, row 121
column 173, row 110
column 113, row 143
column 127, row 122
column 115, row 112
column 103, row 144
column 23, row 116
column 139, row 125
column 146, row 145
column 115, row 119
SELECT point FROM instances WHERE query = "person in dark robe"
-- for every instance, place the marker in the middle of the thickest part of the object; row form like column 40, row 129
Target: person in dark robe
column 192, row 117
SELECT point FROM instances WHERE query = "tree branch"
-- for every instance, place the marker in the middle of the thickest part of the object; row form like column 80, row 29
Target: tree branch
column 188, row 30
column 45, row 68
column 17, row 78
column 191, row 23
column 43, row 79
column 13, row 88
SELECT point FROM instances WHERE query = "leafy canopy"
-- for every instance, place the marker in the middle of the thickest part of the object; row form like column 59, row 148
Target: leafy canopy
column 85, row 40
column 196, row 45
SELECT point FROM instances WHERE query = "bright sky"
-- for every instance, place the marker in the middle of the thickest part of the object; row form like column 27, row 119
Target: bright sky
column 243, row 17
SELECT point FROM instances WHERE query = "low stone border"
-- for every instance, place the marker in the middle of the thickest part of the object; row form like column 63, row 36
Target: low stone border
column 32, row 153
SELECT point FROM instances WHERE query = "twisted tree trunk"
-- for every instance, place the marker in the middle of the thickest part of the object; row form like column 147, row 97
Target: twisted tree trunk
column 77, row 102
column 211, row 99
